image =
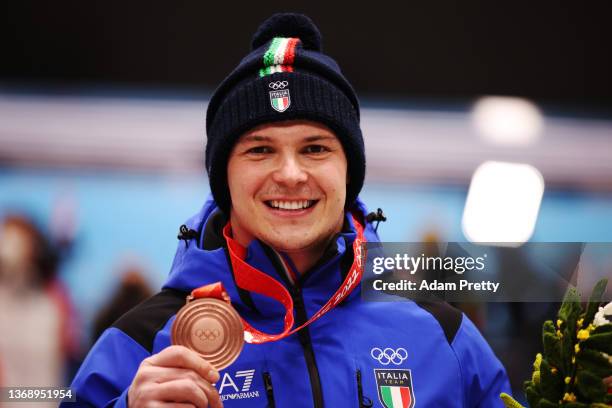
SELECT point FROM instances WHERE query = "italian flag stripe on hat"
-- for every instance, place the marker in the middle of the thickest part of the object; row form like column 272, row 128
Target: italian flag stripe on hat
column 279, row 56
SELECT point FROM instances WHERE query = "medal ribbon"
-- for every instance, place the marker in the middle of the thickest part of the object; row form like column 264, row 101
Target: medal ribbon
column 253, row 280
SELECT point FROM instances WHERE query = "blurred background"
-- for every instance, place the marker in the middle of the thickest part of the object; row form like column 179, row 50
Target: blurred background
column 483, row 121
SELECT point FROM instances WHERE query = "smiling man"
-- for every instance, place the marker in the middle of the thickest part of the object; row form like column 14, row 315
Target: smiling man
column 282, row 234
column 288, row 188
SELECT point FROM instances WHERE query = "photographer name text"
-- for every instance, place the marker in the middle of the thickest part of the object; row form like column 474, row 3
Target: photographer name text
column 434, row 285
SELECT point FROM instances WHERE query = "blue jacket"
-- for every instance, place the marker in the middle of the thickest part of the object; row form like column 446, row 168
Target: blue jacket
column 360, row 354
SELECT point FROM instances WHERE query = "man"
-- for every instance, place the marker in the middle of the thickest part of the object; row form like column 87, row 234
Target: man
column 285, row 159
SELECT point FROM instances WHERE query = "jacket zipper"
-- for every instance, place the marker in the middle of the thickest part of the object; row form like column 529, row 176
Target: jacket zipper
column 269, row 391
column 364, row 402
column 304, row 336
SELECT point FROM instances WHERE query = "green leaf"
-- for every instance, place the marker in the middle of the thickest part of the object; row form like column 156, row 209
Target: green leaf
column 571, row 304
column 591, row 386
column 533, row 397
column 599, row 342
column 595, row 300
column 549, row 327
column 569, row 312
column 595, row 362
column 567, row 347
column 575, row 405
column 544, row 403
column 605, row 328
column 551, row 384
column 552, row 350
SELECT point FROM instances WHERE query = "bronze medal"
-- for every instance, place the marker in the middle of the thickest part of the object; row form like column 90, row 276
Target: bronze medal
column 211, row 328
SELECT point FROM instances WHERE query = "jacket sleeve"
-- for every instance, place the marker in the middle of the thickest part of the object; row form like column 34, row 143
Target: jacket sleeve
column 483, row 375
column 107, row 371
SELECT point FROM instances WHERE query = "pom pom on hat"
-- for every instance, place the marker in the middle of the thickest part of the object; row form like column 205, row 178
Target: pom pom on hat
column 288, row 25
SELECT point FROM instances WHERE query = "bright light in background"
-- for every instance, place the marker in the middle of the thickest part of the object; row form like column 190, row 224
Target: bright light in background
column 507, row 121
column 502, row 203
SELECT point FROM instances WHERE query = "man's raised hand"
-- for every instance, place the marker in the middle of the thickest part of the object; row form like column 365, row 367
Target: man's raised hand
column 175, row 376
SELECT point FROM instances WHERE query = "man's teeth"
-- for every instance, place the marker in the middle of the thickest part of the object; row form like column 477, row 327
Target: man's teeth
column 291, row 205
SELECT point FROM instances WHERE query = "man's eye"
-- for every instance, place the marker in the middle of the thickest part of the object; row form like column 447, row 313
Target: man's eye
column 314, row 149
column 259, row 150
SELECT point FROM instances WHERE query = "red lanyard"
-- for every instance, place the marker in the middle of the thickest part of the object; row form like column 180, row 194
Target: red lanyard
column 253, row 280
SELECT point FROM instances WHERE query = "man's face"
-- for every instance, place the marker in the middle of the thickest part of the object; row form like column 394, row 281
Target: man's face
column 287, row 182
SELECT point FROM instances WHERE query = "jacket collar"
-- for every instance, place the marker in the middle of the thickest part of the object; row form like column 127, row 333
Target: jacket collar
column 203, row 261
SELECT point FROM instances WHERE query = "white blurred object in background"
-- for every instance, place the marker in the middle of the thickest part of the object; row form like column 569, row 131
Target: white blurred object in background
column 503, row 203
column 507, row 121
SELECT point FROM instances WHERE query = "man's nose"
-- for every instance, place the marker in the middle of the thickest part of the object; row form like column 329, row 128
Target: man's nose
column 289, row 172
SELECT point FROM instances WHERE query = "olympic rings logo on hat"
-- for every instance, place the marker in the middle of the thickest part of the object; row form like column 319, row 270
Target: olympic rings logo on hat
column 278, row 85
column 389, row 355
column 207, row 334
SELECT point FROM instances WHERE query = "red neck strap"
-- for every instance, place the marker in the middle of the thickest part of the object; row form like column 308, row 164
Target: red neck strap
column 253, row 280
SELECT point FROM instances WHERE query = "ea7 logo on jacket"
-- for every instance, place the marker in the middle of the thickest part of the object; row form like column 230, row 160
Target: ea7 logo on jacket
column 238, row 387
column 395, row 388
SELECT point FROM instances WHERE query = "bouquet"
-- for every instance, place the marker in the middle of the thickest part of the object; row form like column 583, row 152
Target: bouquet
column 575, row 368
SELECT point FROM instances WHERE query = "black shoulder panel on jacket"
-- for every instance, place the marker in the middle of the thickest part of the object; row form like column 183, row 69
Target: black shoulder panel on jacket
column 144, row 321
column 448, row 316
column 213, row 231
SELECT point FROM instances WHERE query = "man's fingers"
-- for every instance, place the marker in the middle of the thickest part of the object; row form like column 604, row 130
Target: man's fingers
column 214, row 399
column 180, row 391
column 182, row 357
column 160, row 374
column 159, row 404
column 176, row 375
column 164, row 374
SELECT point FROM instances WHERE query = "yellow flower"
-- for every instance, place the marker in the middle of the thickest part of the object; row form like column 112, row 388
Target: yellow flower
column 538, row 361
column 509, row 402
column 573, row 360
column 535, row 377
column 569, row 397
column 567, row 380
column 559, row 323
column 583, row 334
column 559, row 334
column 577, row 348
column 580, row 322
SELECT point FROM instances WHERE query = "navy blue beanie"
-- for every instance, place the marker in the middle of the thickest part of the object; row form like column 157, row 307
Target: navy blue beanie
column 284, row 77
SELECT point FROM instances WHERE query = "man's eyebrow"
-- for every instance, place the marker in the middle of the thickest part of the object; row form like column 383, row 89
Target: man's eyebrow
column 316, row 138
column 263, row 138
column 255, row 138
